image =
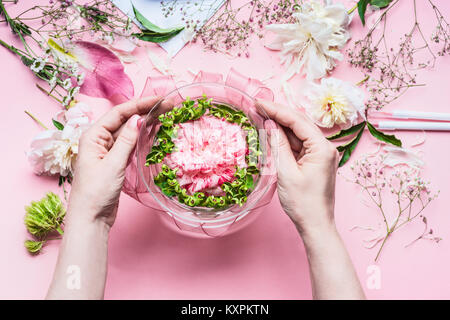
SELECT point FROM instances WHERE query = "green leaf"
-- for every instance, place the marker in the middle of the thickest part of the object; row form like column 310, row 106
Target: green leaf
column 156, row 37
column 383, row 137
column 362, row 7
column 380, row 3
column 26, row 61
column 58, row 124
column 249, row 181
column 152, row 27
column 348, row 148
column 153, row 33
column 347, row 132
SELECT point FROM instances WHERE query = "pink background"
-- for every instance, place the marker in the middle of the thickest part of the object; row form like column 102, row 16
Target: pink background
column 266, row 260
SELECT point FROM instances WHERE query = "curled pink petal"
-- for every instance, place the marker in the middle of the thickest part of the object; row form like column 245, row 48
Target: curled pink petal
column 105, row 76
column 203, row 76
column 158, row 86
column 253, row 87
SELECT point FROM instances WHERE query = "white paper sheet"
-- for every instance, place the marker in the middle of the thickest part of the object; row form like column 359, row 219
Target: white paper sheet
column 152, row 10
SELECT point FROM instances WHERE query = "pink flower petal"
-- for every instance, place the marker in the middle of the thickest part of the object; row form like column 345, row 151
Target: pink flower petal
column 105, row 76
column 208, row 150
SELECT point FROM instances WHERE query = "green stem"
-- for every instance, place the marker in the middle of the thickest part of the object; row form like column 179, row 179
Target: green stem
column 5, row 13
column 382, row 245
column 362, row 81
column 48, row 93
column 36, row 119
column 64, row 190
column 352, row 9
column 11, row 48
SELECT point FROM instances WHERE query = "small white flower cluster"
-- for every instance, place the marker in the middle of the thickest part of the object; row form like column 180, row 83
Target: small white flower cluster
column 61, row 72
column 55, row 151
column 38, row 65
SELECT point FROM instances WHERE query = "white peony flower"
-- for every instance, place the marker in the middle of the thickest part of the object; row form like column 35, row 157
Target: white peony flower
column 334, row 102
column 310, row 46
column 55, row 151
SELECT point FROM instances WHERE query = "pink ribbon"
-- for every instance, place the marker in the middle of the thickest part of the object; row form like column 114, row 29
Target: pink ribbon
column 160, row 86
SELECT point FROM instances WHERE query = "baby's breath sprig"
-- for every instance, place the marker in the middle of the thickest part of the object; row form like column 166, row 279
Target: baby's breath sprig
column 236, row 191
column 75, row 18
column 402, row 186
column 37, row 26
column 391, row 69
column 44, row 65
column 230, row 30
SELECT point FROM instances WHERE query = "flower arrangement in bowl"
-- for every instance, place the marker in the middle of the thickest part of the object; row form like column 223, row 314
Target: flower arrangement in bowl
column 204, row 158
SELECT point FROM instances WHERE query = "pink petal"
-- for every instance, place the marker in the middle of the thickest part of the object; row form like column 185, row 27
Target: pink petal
column 105, row 76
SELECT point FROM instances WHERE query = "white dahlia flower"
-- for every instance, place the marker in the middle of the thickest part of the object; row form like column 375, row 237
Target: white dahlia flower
column 334, row 102
column 311, row 45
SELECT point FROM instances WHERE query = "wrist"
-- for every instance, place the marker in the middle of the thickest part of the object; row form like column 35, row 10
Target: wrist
column 318, row 225
column 86, row 219
column 314, row 234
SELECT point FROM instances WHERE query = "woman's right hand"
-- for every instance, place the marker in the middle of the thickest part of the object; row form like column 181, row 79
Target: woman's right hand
column 306, row 166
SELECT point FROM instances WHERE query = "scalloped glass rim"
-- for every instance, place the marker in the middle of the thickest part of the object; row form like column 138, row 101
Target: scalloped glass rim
column 194, row 215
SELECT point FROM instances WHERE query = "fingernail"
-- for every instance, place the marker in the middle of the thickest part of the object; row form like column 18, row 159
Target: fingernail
column 134, row 121
column 270, row 124
column 140, row 122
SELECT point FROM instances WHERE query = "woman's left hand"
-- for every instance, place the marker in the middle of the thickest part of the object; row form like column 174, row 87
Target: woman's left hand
column 100, row 166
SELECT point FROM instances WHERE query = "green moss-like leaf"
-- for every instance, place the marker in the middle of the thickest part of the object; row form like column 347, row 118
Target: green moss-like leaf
column 33, row 247
column 45, row 216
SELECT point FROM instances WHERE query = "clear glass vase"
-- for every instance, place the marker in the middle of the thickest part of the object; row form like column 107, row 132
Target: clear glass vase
column 204, row 222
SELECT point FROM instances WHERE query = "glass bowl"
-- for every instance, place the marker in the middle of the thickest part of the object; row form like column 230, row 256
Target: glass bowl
column 199, row 221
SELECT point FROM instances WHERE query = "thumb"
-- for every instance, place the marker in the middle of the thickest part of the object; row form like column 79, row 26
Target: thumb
column 125, row 142
column 281, row 151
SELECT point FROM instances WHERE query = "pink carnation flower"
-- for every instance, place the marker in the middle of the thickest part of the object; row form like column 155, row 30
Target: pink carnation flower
column 206, row 154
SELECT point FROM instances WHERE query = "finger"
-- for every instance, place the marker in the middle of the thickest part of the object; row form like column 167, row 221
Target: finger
column 125, row 143
column 116, row 133
column 296, row 144
column 301, row 126
column 281, row 149
column 115, row 118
